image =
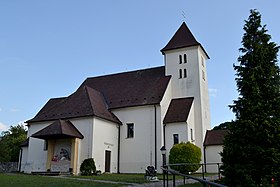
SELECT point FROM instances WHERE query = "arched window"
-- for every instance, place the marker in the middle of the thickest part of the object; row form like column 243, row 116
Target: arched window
column 185, row 58
column 185, row 73
column 180, row 73
column 180, row 59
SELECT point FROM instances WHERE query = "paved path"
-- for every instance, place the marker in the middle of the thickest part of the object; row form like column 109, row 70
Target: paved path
column 150, row 184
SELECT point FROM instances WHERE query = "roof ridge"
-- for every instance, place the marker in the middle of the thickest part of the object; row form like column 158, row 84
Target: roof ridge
column 87, row 89
column 120, row 73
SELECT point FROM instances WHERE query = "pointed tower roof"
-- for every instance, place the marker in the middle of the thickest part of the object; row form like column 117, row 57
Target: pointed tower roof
column 182, row 38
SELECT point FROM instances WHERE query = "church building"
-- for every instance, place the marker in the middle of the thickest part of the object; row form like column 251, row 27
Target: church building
column 122, row 120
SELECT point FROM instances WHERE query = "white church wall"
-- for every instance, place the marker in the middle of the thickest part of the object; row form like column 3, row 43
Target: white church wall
column 37, row 156
column 190, row 85
column 24, row 157
column 105, row 138
column 175, row 128
column 137, row 152
column 191, row 126
column 205, row 102
column 85, row 148
column 212, row 154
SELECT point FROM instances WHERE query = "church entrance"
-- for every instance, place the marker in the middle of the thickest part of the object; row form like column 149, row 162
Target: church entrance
column 61, row 158
column 107, row 161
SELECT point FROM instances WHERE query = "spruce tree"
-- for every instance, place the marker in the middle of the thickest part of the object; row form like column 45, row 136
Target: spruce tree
column 251, row 153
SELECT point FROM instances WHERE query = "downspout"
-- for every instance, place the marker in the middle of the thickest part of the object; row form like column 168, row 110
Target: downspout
column 204, row 150
column 119, row 148
column 155, row 136
column 20, row 160
column 164, row 143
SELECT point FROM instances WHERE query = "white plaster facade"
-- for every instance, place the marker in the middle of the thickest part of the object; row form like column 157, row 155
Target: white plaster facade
column 134, row 154
column 213, row 157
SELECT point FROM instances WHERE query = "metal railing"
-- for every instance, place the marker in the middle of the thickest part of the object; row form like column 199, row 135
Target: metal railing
column 203, row 181
column 202, row 166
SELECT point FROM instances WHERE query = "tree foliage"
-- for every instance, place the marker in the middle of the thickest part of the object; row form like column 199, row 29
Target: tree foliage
column 10, row 143
column 88, row 167
column 251, row 151
column 186, row 153
column 222, row 126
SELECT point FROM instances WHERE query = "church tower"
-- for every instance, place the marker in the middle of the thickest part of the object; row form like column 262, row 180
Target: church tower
column 185, row 60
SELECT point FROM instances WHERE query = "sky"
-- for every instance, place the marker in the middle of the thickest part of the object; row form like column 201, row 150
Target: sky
column 48, row 48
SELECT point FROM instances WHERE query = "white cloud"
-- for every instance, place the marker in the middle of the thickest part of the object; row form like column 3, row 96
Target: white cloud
column 14, row 110
column 213, row 92
column 3, row 127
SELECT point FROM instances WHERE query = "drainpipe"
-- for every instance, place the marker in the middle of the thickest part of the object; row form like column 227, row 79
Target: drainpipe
column 164, row 141
column 20, row 160
column 155, row 136
column 119, row 148
column 204, row 150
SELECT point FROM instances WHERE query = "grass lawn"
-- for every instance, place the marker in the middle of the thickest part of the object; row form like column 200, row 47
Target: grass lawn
column 21, row 180
column 127, row 178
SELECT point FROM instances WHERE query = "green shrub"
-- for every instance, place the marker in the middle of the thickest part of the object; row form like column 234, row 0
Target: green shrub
column 88, row 167
column 186, row 153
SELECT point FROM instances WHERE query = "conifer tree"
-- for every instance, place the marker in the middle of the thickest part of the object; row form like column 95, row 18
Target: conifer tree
column 251, row 153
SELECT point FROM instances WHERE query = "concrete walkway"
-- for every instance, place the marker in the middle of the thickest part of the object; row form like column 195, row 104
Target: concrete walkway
column 149, row 184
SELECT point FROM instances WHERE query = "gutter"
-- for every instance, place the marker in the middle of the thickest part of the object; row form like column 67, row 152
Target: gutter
column 20, row 160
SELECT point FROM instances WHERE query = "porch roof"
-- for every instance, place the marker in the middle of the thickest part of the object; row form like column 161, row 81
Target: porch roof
column 178, row 110
column 215, row 137
column 58, row 130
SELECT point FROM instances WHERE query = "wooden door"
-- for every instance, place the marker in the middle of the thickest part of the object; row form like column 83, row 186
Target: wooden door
column 107, row 161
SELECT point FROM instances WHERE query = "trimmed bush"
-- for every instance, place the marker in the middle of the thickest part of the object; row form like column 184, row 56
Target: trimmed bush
column 186, row 153
column 88, row 167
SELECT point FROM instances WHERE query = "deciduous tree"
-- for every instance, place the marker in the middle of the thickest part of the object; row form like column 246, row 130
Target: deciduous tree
column 10, row 143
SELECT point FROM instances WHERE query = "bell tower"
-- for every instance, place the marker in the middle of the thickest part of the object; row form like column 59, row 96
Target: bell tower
column 185, row 60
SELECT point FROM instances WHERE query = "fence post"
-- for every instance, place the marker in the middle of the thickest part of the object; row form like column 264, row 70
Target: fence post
column 202, row 172
column 219, row 173
column 174, row 183
column 163, row 178
column 167, row 178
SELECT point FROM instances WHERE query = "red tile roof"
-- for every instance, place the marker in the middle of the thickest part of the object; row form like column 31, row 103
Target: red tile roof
column 58, row 129
column 214, row 137
column 182, row 38
column 178, row 110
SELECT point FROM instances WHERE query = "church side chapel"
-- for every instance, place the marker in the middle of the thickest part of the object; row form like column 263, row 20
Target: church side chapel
column 122, row 120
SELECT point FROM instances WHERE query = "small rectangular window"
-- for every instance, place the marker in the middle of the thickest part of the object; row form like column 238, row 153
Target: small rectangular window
column 185, row 58
column 130, row 130
column 192, row 139
column 185, row 73
column 202, row 61
column 175, row 138
column 203, row 75
column 180, row 59
column 46, row 145
column 180, row 73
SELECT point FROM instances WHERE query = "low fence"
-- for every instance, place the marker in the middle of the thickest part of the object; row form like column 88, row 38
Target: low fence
column 167, row 171
column 203, row 167
column 8, row 167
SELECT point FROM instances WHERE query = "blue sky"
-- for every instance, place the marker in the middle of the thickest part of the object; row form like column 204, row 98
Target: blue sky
column 48, row 48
